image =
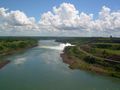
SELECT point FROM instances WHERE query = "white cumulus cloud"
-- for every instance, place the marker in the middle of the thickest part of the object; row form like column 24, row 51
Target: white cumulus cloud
column 63, row 19
column 15, row 20
column 67, row 17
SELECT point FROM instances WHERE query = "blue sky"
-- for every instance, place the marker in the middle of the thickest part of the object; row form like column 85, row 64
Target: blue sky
column 60, row 17
column 37, row 7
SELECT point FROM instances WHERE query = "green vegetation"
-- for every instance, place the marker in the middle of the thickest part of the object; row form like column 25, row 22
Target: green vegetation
column 101, row 55
column 12, row 45
column 112, row 46
column 9, row 46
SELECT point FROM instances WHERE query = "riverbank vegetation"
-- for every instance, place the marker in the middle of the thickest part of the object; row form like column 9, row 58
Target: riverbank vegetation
column 9, row 46
column 101, row 55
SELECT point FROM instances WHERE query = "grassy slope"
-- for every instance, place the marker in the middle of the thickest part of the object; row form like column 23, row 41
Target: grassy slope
column 9, row 46
column 91, row 60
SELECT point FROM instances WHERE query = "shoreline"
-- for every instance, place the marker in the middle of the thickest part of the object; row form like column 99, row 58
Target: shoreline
column 75, row 63
column 12, row 52
column 3, row 63
column 5, row 53
column 16, row 51
column 72, row 62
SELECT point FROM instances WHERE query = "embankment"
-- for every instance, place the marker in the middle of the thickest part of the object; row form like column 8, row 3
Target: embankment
column 79, row 59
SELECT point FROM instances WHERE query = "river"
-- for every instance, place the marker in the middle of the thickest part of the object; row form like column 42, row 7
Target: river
column 42, row 68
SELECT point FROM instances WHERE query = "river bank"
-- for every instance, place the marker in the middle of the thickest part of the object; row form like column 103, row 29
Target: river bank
column 81, row 60
column 3, row 63
column 9, row 47
column 16, row 50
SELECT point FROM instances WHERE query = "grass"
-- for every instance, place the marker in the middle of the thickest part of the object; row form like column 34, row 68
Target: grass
column 90, row 62
column 9, row 46
column 99, row 55
column 109, row 51
column 112, row 46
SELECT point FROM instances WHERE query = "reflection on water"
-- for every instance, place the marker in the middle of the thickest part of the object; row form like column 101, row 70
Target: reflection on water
column 20, row 60
column 42, row 68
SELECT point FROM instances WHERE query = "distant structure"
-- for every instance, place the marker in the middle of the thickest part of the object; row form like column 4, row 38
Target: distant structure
column 110, row 36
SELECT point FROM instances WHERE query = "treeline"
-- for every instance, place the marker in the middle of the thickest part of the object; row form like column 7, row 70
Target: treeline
column 86, row 40
column 10, row 45
column 113, row 46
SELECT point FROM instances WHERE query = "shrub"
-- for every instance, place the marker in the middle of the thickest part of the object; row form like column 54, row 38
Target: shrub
column 90, row 59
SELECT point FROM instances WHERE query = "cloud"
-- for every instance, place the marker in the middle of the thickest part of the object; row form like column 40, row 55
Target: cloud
column 67, row 17
column 63, row 19
column 107, row 21
column 15, row 20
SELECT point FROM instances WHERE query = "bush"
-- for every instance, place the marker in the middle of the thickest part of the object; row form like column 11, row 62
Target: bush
column 90, row 59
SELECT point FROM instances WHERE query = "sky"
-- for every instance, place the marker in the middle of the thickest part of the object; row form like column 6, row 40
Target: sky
column 60, row 18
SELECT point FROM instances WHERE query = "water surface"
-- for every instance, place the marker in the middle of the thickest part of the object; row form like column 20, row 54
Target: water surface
column 41, row 68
